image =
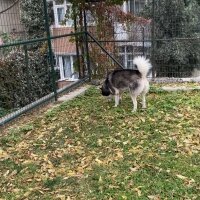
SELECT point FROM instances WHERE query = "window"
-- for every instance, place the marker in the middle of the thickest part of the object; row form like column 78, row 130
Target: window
column 60, row 15
column 126, row 56
column 89, row 18
column 135, row 6
column 65, row 64
column 130, row 61
column 63, row 11
column 67, row 69
column 69, row 21
column 127, row 53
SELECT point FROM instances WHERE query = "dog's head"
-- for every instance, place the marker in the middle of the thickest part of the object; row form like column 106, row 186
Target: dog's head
column 105, row 91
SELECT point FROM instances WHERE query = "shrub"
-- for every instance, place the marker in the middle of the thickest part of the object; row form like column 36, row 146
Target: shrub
column 175, row 19
column 24, row 78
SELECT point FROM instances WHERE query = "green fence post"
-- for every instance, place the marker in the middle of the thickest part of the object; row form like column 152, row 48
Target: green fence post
column 86, row 45
column 143, row 43
column 27, row 66
column 153, row 40
column 77, row 49
column 46, row 18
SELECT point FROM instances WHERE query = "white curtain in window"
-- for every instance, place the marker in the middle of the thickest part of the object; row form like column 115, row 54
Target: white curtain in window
column 67, row 66
column 61, row 15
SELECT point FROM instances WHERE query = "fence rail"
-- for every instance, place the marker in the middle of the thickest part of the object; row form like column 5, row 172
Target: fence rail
column 35, row 70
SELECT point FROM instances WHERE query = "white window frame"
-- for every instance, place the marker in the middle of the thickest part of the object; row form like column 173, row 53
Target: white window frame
column 125, row 55
column 61, row 67
column 69, row 22
column 65, row 4
column 127, row 6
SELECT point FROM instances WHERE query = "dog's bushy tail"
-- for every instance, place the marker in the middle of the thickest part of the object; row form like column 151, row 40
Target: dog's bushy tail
column 143, row 65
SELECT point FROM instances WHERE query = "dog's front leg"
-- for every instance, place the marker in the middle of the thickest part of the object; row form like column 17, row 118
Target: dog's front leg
column 116, row 100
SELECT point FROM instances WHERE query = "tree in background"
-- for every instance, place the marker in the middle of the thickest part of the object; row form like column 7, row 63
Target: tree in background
column 25, row 70
column 198, row 1
column 102, row 17
column 175, row 19
column 32, row 17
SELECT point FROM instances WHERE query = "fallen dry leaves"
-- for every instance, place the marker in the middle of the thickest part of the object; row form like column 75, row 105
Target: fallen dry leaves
column 88, row 150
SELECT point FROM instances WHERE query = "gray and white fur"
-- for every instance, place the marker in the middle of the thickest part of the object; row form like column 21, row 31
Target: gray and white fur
column 133, row 79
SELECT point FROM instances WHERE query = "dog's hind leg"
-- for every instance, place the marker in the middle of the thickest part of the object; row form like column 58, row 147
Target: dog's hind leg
column 144, row 100
column 144, row 92
column 134, row 99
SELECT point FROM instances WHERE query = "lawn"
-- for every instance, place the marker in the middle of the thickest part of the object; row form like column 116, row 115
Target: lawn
column 87, row 149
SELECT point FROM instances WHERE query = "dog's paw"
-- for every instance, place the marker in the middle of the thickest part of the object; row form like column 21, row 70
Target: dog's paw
column 134, row 110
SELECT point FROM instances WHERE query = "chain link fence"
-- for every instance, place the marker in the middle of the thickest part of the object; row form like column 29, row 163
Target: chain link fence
column 170, row 37
column 37, row 62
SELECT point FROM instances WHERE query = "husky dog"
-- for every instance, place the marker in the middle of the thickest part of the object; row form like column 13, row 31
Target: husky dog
column 133, row 79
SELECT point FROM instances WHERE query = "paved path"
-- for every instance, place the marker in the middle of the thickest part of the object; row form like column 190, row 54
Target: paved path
column 182, row 88
column 79, row 91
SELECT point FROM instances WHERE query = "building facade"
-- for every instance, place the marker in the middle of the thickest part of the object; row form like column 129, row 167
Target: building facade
column 65, row 51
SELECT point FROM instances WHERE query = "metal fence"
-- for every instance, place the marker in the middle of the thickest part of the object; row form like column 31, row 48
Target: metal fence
column 170, row 38
column 123, row 45
column 37, row 66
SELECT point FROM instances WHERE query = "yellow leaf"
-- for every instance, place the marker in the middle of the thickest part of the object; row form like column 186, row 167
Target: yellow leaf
column 15, row 190
column 13, row 173
column 181, row 177
column 71, row 173
column 27, row 193
column 3, row 154
column 126, row 142
column 119, row 155
column 27, row 162
column 7, row 172
column 99, row 142
column 22, row 145
column 142, row 119
column 134, row 169
column 51, row 171
column 136, row 150
column 139, row 193
column 154, row 197
column 100, row 179
column 124, row 197
column 61, row 197
column 60, row 130
column 98, row 161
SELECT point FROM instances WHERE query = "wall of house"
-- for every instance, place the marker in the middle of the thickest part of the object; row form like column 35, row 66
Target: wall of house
column 10, row 20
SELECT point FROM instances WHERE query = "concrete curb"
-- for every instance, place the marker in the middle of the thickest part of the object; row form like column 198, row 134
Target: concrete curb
column 182, row 88
column 79, row 91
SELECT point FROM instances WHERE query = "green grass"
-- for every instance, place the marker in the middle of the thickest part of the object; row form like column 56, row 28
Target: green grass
column 87, row 149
